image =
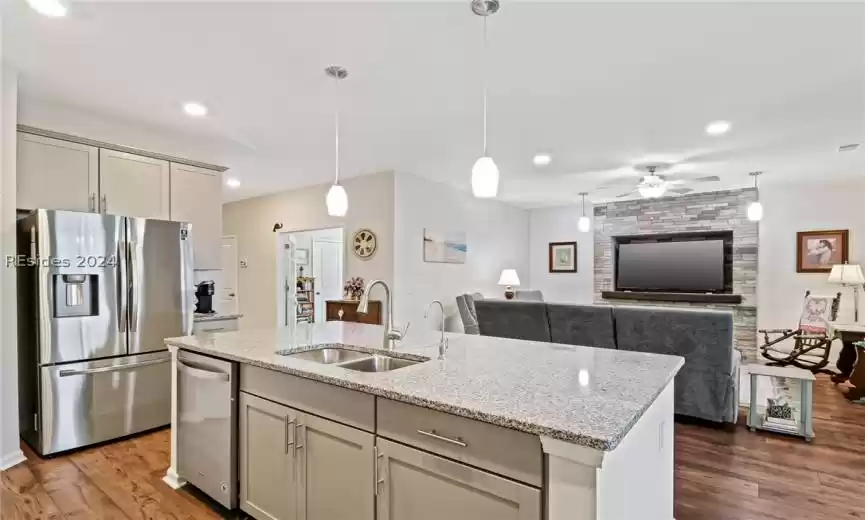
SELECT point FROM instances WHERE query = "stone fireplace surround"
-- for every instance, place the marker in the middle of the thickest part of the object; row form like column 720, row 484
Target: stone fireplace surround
column 713, row 211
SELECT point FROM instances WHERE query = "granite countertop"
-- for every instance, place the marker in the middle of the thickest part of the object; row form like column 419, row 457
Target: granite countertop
column 197, row 317
column 586, row 396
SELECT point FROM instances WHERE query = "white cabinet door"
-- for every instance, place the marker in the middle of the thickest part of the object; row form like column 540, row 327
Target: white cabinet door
column 133, row 185
column 334, row 457
column 55, row 174
column 420, row 486
column 196, row 197
column 268, row 489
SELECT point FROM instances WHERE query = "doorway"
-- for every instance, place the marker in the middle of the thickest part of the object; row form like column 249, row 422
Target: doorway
column 310, row 272
column 227, row 293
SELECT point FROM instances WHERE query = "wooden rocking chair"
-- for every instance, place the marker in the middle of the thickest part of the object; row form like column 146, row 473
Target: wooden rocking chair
column 811, row 341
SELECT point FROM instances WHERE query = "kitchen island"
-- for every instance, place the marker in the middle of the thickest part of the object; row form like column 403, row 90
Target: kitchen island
column 510, row 428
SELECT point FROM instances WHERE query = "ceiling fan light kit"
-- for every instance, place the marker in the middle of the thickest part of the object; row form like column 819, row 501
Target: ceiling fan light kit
column 485, row 173
column 336, row 199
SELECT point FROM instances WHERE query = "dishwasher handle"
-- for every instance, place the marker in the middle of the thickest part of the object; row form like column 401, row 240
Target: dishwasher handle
column 202, row 373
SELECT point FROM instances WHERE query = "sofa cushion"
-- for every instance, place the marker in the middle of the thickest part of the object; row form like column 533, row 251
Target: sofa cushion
column 705, row 385
column 466, row 307
column 587, row 325
column 513, row 319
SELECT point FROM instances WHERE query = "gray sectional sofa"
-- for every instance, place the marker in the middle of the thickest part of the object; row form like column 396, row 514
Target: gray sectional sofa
column 706, row 387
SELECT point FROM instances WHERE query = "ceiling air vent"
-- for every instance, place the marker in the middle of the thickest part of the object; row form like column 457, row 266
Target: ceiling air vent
column 849, row 147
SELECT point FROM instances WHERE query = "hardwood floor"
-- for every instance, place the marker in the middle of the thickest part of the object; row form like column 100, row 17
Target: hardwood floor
column 721, row 474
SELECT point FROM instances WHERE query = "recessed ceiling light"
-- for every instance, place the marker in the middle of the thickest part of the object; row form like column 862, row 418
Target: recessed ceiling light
column 718, row 127
column 541, row 159
column 52, row 8
column 195, row 109
column 231, row 182
column 852, row 147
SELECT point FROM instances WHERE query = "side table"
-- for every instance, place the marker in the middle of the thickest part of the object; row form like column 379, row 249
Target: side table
column 857, row 377
column 805, row 426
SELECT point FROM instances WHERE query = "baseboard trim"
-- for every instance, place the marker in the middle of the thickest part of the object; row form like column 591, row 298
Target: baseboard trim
column 12, row 459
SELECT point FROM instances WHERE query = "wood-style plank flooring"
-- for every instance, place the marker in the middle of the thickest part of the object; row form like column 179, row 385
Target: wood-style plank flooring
column 721, row 474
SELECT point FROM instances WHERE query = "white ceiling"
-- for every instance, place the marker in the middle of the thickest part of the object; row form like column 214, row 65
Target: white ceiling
column 599, row 86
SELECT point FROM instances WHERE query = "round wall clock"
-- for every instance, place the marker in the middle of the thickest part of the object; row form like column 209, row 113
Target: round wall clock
column 364, row 243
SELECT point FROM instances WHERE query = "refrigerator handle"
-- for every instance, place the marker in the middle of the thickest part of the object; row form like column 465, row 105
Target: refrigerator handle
column 133, row 289
column 122, row 287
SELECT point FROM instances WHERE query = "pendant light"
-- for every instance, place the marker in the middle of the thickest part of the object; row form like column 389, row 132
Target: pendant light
column 485, row 173
column 584, row 224
column 755, row 210
column 337, row 200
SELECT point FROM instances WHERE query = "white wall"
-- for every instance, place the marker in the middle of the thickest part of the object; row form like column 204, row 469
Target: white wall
column 803, row 207
column 560, row 225
column 497, row 236
column 370, row 205
column 10, row 453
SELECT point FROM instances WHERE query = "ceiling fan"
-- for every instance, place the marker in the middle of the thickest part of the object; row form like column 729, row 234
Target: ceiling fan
column 653, row 183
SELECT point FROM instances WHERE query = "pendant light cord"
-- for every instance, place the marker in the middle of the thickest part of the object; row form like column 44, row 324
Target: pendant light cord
column 584, row 205
column 484, row 72
column 336, row 127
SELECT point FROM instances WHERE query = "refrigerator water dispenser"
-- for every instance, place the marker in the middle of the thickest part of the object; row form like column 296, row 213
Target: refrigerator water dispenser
column 75, row 295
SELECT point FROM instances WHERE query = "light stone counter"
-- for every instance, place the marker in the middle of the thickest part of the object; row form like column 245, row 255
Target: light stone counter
column 199, row 318
column 604, row 417
column 585, row 396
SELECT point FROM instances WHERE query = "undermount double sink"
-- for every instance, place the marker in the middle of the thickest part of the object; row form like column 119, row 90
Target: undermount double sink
column 354, row 359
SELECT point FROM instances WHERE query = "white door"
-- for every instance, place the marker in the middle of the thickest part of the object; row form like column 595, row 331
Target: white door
column 55, row 174
column 133, row 185
column 227, row 294
column 327, row 270
column 286, row 291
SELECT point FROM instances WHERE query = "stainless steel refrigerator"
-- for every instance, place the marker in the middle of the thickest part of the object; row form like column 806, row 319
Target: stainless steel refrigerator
column 97, row 295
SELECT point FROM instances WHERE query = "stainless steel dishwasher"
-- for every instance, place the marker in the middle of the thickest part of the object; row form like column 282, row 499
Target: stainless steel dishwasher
column 207, row 425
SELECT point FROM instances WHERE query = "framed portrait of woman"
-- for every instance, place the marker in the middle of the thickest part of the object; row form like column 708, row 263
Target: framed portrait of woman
column 818, row 251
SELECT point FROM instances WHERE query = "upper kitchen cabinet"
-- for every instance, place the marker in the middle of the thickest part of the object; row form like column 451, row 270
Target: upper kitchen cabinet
column 133, row 185
column 196, row 197
column 56, row 174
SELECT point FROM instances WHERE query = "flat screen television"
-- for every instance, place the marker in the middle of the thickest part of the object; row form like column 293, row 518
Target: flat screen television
column 687, row 266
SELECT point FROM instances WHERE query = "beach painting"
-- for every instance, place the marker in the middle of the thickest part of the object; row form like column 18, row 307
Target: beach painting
column 448, row 247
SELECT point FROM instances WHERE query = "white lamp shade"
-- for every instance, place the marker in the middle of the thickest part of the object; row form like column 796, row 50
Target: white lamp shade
column 509, row 277
column 52, row 8
column 584, row 224
column 485, row 178
column 755, row 212
column 847, row 274
column 337, row 201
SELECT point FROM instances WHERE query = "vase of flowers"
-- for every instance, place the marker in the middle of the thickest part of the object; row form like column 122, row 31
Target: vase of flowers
column 353, row 288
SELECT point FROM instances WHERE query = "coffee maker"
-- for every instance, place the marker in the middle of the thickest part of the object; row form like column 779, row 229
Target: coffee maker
column 204, row 296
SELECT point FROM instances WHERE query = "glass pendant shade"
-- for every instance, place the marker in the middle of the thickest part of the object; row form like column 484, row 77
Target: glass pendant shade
column 337, row 201
column 755, row 211
column 52, row 8
column 485, row 178
column 584, row 224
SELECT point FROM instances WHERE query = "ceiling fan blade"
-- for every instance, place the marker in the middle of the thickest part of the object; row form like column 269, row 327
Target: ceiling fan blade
column 621, row 181
column 708, row 178
column 682, row 191
column 626, row 194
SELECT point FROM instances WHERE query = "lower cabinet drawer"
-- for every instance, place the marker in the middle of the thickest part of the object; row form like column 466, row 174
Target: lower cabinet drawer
column 214, row 326
column 514, row 454
column 414, row 485
column 339, row 404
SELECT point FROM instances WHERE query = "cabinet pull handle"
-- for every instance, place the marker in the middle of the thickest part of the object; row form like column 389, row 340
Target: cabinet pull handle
column 299, row 437
column 378, row 479
column 289, row 438
column 458, row 441
column 104, row 203
column 92, row 203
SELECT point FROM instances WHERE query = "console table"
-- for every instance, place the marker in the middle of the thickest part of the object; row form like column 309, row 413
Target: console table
column 850, row 362
column 346, row 310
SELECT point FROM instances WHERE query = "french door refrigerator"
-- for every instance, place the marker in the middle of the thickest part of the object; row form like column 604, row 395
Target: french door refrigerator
column 97, row 295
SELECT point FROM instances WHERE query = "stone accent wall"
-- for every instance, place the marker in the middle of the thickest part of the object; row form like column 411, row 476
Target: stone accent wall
column 715, row 211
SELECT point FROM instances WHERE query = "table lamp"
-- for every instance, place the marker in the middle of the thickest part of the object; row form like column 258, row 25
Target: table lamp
column 849, row 275
column 509, row 278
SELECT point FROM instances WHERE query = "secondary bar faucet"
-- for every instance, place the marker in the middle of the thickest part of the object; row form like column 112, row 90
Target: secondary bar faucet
column 443, row 342
column 391, row 333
